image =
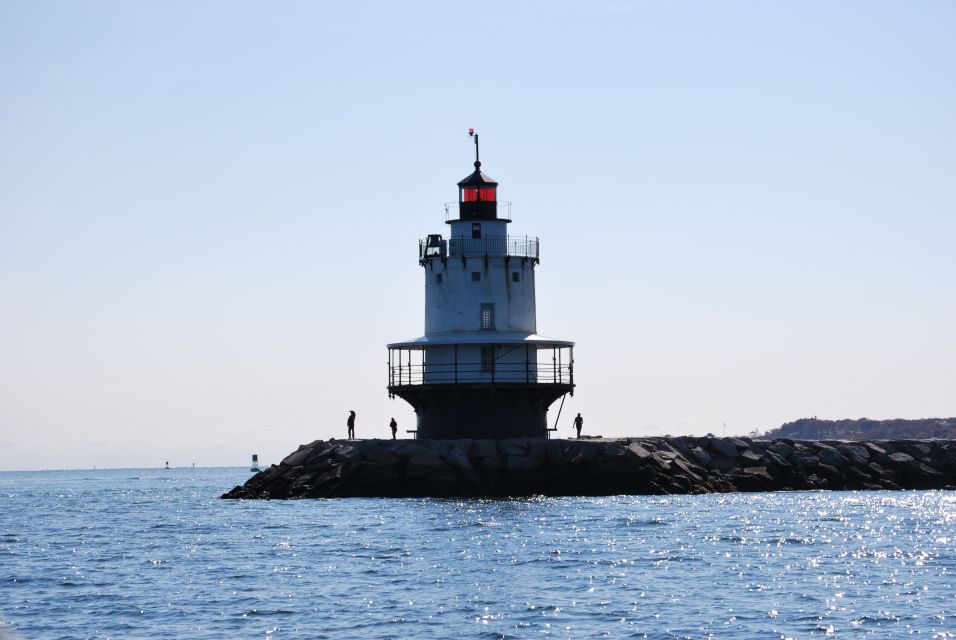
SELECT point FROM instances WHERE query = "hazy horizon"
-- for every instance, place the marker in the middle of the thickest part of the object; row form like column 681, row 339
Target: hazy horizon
column 209, row 213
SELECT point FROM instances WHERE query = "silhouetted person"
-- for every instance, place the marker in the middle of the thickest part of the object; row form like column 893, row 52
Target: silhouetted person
column 351, row 424
column 579, row 424
column 394, row 426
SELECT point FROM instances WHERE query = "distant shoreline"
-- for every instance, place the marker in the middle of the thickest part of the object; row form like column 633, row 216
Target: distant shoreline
column 866, row 429
column 95, row 469
column 811, row 429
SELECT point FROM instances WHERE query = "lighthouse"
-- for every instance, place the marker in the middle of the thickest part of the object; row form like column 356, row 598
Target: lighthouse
column 480, row 370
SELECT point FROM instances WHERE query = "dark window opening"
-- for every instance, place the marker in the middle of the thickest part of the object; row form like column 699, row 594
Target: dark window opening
column 475, row 231
column 438, row 278
column 516, row 276
column 487, row 316
column 476, row 276
column 487, row 359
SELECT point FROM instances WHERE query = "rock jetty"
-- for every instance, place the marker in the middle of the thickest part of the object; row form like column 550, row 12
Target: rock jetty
column 590, row 467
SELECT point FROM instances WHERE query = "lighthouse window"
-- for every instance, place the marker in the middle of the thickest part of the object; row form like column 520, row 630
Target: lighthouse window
column 487, row 359
column 472, row 194
column 516, row 276
column 476, row 231
column 476, row 276
column 487, row 316
column 438, row 278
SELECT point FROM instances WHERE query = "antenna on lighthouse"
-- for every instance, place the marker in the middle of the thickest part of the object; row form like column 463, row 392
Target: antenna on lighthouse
column 474, row 134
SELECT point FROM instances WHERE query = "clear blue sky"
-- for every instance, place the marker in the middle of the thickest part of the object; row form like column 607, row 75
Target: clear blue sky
column 209, row 212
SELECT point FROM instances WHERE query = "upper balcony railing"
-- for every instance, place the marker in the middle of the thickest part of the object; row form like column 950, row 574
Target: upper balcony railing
column 451, row 211
column 436, row 246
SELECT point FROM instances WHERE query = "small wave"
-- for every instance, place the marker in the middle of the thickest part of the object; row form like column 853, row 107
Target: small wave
column 875, row 620
column 732, row 539
column 259, row 613
column 807, row 618
column 651, row 522
column 796, row 541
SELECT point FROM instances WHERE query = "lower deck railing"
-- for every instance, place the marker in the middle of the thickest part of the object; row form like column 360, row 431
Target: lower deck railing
column 411, row 367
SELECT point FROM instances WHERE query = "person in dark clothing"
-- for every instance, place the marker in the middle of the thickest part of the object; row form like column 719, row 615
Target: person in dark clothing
column 578, row 424
column 394, row 426
column 351, row 424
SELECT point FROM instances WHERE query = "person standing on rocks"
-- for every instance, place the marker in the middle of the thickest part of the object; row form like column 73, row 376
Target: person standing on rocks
column 579, row 424
column 394, row 426
column 351, row 424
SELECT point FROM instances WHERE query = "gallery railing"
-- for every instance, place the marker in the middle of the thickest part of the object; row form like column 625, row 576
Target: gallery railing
column 436, row 246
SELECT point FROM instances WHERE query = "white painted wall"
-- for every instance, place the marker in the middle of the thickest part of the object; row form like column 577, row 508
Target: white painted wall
column 488, row 228
column 454, row 304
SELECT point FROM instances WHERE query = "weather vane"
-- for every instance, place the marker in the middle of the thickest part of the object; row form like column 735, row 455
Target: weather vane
column 473, row 134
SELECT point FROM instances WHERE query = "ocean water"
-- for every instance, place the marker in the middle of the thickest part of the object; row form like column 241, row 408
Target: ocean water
column 155, row 554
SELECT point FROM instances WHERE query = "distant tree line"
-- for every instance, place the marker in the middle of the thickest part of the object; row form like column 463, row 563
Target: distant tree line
column 865, row 429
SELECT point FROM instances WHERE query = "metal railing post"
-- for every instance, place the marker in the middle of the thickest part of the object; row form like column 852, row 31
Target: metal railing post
column 571, row 365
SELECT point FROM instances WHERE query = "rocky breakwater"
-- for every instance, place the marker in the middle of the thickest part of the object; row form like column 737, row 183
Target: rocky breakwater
column 522, row 467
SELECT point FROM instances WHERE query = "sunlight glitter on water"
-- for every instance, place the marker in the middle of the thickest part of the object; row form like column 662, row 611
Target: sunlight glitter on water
column 81, row 558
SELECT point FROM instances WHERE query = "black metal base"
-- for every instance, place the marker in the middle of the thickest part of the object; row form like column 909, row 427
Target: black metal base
column 481, row 411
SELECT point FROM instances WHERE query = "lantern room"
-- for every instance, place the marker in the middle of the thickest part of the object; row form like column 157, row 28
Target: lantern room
column 477, row 194
column 477, row 197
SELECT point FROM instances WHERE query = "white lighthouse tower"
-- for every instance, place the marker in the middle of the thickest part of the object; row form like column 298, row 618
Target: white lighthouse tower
column 481, row 370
